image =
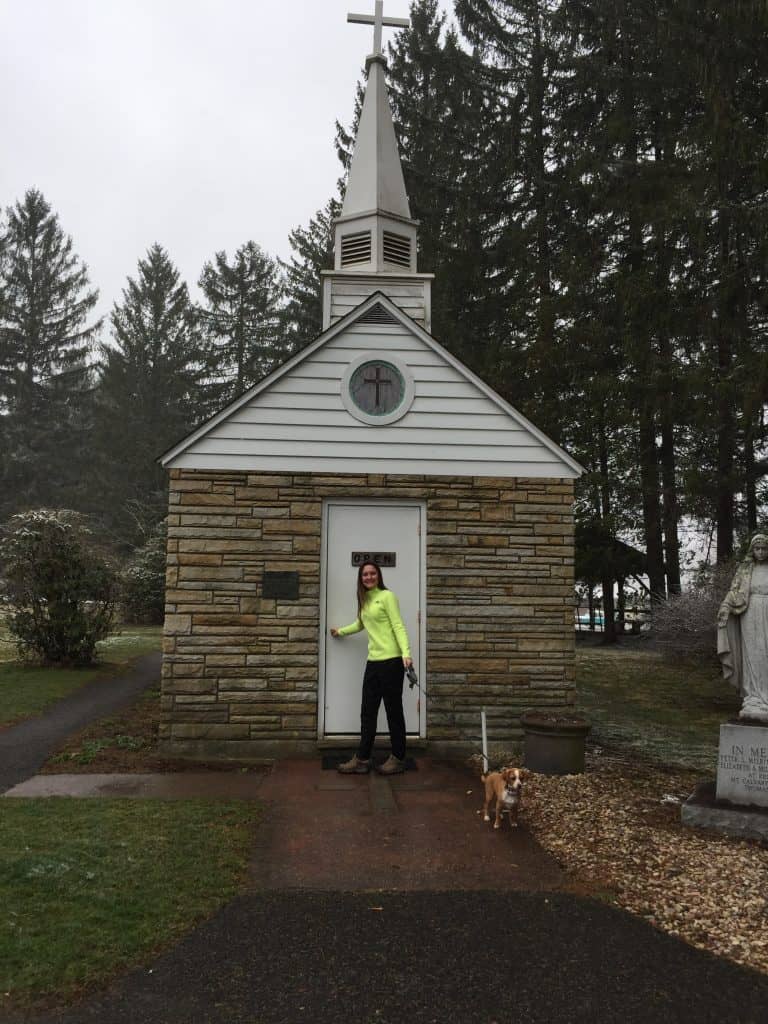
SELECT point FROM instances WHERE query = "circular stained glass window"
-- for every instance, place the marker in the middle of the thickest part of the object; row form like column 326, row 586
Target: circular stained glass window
column 377, row 388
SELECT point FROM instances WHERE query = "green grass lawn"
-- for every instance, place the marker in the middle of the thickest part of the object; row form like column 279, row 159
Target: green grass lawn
column 27, row 690
column 638, row 702
column 91, row 886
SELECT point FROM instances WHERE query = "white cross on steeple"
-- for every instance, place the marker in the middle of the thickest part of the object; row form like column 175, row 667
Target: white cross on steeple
column 378, row 20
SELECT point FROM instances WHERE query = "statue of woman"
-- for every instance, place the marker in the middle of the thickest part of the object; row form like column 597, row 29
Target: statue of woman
column 742, row 631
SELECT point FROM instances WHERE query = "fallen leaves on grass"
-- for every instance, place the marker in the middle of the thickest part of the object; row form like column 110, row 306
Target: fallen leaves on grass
column 616, row 826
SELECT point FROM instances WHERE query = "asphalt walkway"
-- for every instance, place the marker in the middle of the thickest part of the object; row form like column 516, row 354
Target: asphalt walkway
column 25, row 747
column 426, row 958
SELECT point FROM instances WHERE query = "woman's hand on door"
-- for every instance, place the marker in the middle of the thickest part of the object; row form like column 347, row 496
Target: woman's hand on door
column 334, row 631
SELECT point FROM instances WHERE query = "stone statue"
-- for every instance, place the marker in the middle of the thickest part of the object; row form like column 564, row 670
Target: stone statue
column 742, row 631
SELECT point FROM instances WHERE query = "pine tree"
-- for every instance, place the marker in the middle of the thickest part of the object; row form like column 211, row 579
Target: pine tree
column 444, row 120
column 150, row 394
column 312, row 252
column 45, row 300
column 242, row 319
column 518, row 42
column 727, row 144
column 590, row 182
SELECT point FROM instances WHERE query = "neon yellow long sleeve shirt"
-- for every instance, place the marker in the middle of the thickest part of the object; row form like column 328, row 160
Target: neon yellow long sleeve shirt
column 387, row 637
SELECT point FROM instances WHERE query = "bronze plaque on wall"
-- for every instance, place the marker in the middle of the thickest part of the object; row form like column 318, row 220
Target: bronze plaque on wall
column 281, row 585
column 385, row 559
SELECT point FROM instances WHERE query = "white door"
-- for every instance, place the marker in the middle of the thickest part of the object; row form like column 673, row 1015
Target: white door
column 354, row 532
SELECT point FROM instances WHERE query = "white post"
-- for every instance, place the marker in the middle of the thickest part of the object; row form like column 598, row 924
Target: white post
column 485, row 742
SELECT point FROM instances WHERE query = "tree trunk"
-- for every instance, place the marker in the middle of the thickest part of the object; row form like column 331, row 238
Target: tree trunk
column 751, row 479
column 621, row 607
column 634, row 315
column 609, row 611
column 670, row 506
column 726, row 448
column 666, row 400
column 726, row 413
column 538, row 168
column 649, row 482
column 609, row 625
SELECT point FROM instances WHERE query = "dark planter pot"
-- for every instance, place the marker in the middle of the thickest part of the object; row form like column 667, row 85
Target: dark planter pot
column 554, row 742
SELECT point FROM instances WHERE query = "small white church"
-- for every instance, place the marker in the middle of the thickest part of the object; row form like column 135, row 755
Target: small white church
column 372, row 442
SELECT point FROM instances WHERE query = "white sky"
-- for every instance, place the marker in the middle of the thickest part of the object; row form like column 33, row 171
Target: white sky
column 193, row 123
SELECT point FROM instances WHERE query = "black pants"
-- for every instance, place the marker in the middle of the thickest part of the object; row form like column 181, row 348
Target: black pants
column 383, row 680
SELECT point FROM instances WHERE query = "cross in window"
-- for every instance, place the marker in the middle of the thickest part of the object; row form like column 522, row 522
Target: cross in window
column 378, row 382
column 378, row 20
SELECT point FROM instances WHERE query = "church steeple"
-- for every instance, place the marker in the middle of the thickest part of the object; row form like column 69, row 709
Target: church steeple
column 375, row 175
column 375, row 236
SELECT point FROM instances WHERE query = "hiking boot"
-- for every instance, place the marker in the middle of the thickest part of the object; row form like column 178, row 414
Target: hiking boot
column 354, row 766
column 392, row 766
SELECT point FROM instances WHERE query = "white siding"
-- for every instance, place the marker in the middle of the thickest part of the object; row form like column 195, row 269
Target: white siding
column 411, row 295
column 299, row 424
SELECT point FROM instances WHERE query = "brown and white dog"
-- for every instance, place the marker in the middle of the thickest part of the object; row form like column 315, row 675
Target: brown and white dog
column 507, row 787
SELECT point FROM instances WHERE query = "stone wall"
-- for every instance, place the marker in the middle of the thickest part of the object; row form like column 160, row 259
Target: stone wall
column 240, row 673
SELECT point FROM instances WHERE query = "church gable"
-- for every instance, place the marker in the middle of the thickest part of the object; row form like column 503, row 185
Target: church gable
column 328, row 410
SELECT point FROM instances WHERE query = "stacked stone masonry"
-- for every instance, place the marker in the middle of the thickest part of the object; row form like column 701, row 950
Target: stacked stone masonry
column 240, row 672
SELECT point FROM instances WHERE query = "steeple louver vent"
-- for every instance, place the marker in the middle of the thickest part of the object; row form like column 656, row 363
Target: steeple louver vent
column 397, row 249
column 377, row 315
column 356, row 248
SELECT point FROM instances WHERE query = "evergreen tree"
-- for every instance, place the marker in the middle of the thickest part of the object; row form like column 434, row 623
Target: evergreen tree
column 453, row 137
column 573, row 238
column 242, row 319
column 726, row 143
column 520, row 46
column 150, row 395
column 590, row 183
column 45, row 301
column 312, row 252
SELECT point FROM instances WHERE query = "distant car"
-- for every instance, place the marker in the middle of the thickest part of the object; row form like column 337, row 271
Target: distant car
column 583, row 620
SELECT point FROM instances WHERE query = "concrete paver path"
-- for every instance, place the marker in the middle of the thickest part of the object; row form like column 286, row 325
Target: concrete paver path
column 209, row 785
column 419, row 830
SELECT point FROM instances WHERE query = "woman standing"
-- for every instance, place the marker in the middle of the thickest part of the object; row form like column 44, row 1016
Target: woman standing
column 389, row 654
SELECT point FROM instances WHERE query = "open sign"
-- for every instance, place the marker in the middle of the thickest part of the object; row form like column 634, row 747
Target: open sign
column 385, row 559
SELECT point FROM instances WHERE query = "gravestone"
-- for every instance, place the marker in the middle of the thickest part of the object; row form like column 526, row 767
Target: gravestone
column 742, row 764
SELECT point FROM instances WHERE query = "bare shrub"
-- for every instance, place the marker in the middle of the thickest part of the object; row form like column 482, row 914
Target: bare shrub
column 685, row 626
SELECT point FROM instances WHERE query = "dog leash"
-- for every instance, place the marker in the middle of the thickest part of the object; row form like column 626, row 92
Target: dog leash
column 413, row 680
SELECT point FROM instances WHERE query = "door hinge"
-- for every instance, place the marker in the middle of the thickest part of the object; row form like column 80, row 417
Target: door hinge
column 418, row 530
column 418, row 617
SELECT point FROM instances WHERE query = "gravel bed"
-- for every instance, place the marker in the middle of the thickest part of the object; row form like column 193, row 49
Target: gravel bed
column 617, row 829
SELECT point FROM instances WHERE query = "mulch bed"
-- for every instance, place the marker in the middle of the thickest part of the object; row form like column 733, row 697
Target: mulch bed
column 619, row 825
